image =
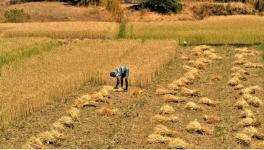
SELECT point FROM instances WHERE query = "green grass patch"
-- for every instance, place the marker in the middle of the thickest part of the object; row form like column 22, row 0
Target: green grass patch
column 27, row 52
column 261, row 47
column 122, row 30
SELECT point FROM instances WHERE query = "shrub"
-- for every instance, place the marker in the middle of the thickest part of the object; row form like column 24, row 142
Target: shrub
column 162, row 6
column 259, row 5
column 16, row 15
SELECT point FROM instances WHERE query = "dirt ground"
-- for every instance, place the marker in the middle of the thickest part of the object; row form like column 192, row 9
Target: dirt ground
column 133, row 124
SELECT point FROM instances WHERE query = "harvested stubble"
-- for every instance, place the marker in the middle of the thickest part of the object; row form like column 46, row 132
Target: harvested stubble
column 105, row 111
column 192, row 106
column 164, row 131
column 177, row 143
column 33, row 83
column 165, row 119
column 67, row 30
column 167, row 109
column 173, row 86
column 173, row 98
column 98, row 97
column 207, row 101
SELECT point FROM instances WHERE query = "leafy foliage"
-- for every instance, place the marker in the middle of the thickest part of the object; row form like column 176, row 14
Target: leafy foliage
column 162, row 6
column 16, row 15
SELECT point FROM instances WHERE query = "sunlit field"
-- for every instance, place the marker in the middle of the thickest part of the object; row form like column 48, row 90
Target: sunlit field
column 214, row 30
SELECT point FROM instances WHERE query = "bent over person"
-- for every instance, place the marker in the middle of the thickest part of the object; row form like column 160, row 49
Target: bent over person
column 121, row 73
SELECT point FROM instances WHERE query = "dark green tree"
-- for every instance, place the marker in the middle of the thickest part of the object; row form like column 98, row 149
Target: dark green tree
column 162, row 6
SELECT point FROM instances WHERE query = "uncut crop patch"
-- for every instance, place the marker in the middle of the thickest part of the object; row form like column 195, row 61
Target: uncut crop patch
column 215, row 30
column 57, row 30
column 29, row 85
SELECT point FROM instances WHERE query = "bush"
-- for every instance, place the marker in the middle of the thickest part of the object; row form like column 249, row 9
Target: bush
column 162, row 6
column 259, row 5
column 16, row 15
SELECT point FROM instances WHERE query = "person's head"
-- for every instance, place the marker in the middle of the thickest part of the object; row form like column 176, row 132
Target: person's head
column 112, row 74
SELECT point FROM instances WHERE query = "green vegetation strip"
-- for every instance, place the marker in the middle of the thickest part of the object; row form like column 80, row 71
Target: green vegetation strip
column 27, row 52
column 261, row 47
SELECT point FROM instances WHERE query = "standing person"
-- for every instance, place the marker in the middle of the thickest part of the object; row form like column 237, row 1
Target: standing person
column 121, row 73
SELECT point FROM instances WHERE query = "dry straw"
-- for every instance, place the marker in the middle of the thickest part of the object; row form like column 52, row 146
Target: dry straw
column 165, row 119
column 167, row 109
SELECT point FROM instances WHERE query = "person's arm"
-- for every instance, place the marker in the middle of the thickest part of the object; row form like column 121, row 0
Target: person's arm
column 117, row 83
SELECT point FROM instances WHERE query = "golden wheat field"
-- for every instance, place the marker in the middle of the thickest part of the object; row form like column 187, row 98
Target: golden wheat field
column 34, row 82
column 193, row 84
column 214, row 30
column 58, row 30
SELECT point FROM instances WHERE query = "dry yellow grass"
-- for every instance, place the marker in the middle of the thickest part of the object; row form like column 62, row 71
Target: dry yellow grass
column 80, row 30
column 7, row 44
column 31, row 84
column 214, row 30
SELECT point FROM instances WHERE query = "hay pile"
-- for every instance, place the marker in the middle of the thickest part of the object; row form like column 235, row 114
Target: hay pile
column 241, row 104
column 167, row 109
column 246, row 122
column 192, row 106
column 66, row 121
column 137, row 92
column 164, row 131
column 247, row 113
column 177, row 143
column 234, row 81
column 157, row 138
column 105, row 111
column 161, row 91
column 188, row 92
column 251, row 90
column 173, row 98
column 207, row 101
column 238, row 87
column 165, row 119
column 243, row 139
column 84, row 101
column 211, row 119
column 253, row 65
column 194, row 127
column 74, row 113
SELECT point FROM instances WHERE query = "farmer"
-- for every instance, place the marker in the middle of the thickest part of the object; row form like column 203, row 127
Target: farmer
column 121, row 73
